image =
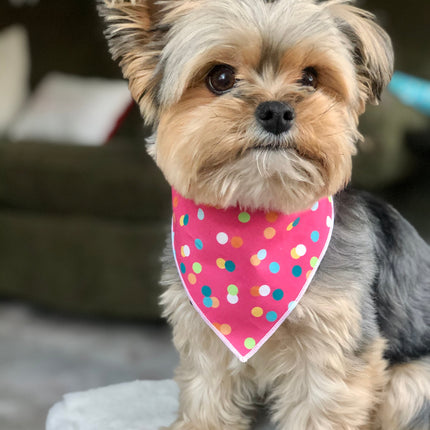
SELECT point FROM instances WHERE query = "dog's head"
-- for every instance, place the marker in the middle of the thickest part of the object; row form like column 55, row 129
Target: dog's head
column 253, row 102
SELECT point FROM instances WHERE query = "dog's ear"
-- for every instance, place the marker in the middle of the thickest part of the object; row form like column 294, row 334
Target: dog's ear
column 371, row 48
column 135, row 31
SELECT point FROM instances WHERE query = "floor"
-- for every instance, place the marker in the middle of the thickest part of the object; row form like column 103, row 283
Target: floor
column 44, row 356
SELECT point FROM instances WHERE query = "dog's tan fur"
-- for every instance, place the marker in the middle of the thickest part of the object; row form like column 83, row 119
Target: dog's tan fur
column 313, row 371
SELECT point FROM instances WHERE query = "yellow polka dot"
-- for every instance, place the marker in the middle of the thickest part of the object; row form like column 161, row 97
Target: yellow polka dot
column 294, row 254
column 255, row 261
column 255, row 291
column 290, row 227
column 215, row 302
column 192, row 278
column 257, row 312
column 269, row 233
column 225, row 329
column 181, row 220
column 272, row 216
column 220, row 263
column 236, row 242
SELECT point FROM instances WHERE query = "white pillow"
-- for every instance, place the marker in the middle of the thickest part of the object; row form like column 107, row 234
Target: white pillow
column 72, row 109
column 14, row 73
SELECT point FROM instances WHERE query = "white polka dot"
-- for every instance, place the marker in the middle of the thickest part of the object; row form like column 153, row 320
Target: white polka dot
column 186, row 251
column 222, row 238
column 329, row 222
column 315, row 207
column 264, row 290
column 200, row 214
column 232, row 299
column 301, row 250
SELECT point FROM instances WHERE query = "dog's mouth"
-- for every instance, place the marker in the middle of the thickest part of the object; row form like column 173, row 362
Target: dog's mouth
column 268, row 148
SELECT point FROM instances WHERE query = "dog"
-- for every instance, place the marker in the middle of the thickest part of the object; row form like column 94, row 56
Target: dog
column 255, row 106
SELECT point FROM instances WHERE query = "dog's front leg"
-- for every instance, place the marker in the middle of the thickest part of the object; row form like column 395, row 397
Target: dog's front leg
column 338, row 395
column 212, row 396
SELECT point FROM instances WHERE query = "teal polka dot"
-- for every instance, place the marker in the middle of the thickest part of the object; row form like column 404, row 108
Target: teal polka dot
column 206, row 291
column 271, row 316
column 230, row 266
column 278, row 294
column 315, row 236
column 297, row 271
column 199, row 244
column 296, row 222
column 207, row 301
column 274, row 267
column 183, row 269
column 186, row 219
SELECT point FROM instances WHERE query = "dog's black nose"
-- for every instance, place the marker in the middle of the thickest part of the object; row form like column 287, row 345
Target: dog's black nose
column 275, row 117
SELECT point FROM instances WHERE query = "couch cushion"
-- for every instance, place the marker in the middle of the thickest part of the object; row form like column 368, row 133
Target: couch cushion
column 82, row 265
column 117, row 181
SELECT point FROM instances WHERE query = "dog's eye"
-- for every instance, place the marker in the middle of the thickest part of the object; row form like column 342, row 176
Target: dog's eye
column 309, row 77
column 221, row 79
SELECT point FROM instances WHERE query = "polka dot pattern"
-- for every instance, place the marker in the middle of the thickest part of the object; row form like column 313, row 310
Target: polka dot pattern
column 246, row 271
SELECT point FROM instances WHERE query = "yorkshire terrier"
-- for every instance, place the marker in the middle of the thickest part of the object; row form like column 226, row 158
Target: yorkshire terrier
column 324, row 301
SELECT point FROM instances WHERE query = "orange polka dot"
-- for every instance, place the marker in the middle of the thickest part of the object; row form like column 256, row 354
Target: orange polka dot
column 255, row 261
column 225, row 329
column 220, row 262
column 215, row 302
column 255, row 291
column 257, row 312
column 269, row 233
column 192, row 278
column 174, row 218
column 236, row 242
column 308, row 274
column 175, row 201
column 272, row 216
column 217, row 325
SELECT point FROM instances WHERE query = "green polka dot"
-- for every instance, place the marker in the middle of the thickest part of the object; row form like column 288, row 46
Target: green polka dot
column 314, row 261
column 249, row 343
column 244, row 217
column 197, row 267
column 233, row 290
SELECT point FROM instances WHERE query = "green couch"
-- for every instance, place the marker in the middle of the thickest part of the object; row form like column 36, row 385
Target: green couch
column 82, row 229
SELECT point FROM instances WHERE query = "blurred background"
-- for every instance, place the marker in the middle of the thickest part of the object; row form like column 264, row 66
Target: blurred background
column 84, row 211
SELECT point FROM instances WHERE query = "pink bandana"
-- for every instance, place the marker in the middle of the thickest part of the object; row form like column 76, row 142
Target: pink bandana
column 245, row 272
